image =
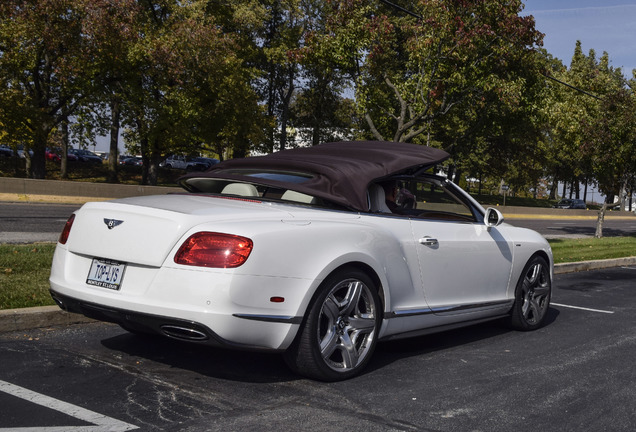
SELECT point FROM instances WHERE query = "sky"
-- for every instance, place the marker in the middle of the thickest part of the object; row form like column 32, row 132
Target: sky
column 602, row 25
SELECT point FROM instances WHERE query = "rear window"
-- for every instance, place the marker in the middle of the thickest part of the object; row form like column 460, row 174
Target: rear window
column 281, row 176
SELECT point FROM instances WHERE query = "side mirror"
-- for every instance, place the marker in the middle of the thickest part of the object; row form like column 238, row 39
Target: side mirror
column 493, row 217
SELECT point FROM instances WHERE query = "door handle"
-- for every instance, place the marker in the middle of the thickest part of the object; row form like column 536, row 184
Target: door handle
column 428, row 241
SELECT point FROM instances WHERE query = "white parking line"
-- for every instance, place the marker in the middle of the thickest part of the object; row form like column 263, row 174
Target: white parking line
column 101, row 422
column 582, row 308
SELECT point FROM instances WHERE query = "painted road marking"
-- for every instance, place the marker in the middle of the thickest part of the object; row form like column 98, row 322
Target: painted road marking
column 582, row 308
column 101, row 422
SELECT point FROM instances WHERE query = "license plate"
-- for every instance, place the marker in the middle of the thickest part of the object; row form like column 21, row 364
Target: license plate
column 106, row 273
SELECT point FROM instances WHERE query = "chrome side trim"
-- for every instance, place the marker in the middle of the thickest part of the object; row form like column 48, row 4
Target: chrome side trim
column 271, row 318
column 440, row 310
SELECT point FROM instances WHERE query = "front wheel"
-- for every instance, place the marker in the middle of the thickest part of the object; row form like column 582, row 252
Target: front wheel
column 532, row 296
column 339, row 333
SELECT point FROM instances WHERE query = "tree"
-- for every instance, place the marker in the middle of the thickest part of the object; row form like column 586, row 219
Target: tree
column 45, row 70
column 611, row 147
column 188, row 82
column 112, row 28
column 409, row 72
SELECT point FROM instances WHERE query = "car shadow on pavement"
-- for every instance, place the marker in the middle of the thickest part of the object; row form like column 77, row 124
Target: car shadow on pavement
column 390, row 351
column 159, row 354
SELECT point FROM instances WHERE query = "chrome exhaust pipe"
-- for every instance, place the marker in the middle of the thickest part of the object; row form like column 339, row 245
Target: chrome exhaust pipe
column 184, row 333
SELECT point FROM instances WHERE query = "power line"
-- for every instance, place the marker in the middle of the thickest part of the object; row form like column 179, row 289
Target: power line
column 400, row 8
column 572, row 87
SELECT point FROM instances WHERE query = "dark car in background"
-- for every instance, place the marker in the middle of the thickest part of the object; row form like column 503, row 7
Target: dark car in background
column 200, row 163
column 131, row 160
column 85, row 156
column 5, row 151
column 571, row 204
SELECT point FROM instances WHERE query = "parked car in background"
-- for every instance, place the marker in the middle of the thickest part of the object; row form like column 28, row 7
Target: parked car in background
column 298, row 252
column 51, row 155
column 200, row 163
column 188, row 163
column 21, row 152
column 131, row 160
column 571, row 204
column 86, row 156
column 174, row 161
column 6, row 151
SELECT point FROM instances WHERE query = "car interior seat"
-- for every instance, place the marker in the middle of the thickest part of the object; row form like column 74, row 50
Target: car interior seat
column 377, row 199
column 241, row 189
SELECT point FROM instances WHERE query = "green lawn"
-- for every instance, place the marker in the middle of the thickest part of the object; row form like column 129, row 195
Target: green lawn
column 24, row 269
column 24, row 275
column 575, row 250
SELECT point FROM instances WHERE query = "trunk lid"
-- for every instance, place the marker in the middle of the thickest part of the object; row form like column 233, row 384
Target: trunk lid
column 143, row 230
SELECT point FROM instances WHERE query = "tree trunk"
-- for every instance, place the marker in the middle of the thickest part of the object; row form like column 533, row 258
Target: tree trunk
column 115, row 112
column 600, row 220
column 565, row 184
column 36, row 164
column 553, row 189
column 64, row 155
column 286, row 100
column 577, row 189
column 143, row 144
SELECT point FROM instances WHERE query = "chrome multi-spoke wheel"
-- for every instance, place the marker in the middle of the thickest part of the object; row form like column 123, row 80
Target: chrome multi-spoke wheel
column 532, row 297
column 347, row 325
column 340, row 331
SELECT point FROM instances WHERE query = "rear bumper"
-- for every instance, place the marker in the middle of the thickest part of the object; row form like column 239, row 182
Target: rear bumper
column 135, row 321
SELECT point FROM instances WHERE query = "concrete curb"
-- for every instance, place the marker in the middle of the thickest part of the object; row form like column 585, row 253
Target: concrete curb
column 37, row 317
column 593, row 265
column 49, row 316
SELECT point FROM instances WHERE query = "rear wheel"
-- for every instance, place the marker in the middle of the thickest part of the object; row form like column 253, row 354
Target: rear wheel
column 339, row 333
column 532, row 295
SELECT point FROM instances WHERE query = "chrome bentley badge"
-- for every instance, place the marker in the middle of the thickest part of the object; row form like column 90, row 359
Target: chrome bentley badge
column 112, row 223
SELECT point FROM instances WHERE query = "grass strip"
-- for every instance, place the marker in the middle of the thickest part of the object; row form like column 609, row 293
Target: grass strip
column 24, row 275
column 25, row 269
column 587, row 249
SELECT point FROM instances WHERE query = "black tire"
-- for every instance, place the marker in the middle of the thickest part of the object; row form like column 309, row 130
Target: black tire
column 339, row 332
column 532, row 296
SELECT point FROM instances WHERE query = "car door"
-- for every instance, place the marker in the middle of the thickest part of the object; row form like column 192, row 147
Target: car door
column 464, row 264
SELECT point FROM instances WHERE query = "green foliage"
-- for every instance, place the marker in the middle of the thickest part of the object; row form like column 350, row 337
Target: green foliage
column 240, row 76
column 410, row 71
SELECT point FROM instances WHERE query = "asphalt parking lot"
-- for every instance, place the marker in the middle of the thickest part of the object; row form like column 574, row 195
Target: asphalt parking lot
column 575, row 374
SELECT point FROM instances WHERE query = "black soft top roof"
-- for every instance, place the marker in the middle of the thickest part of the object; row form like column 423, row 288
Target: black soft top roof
column 340, row 171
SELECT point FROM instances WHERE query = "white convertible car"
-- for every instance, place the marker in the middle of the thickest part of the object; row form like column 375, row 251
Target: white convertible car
column 304, row 251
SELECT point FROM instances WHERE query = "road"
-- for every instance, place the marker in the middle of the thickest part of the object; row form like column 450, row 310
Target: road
column 577, row 227
column 575, row 374
column 28, row 222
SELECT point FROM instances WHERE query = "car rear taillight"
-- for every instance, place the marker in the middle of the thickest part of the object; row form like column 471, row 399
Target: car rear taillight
column 67, row 229
column 210, row 249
